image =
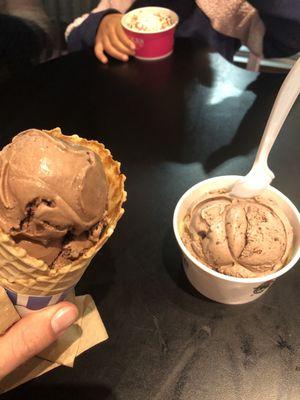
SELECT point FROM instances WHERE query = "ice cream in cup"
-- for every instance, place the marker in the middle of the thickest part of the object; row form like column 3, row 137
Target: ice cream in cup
column 152, row 31
column 234, row 249
column 61, row 198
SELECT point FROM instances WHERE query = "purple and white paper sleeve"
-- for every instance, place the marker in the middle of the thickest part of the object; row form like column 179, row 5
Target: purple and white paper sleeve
column 35, row 302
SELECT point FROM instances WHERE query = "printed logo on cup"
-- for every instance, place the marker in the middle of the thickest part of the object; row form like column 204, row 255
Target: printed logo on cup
column 264, row 286
column 138, row 42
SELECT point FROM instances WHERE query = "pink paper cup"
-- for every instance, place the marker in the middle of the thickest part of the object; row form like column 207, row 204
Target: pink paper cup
column 151, row 46
column 224, row 288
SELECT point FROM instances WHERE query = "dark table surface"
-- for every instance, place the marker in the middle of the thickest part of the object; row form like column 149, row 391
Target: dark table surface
column 171, row 124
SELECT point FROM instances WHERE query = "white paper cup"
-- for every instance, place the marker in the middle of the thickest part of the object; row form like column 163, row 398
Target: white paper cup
column 224, row 288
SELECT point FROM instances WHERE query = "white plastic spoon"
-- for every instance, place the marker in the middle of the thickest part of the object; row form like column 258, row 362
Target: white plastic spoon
column 260, row 176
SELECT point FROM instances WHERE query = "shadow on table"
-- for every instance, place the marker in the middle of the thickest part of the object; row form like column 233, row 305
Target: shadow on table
column 171, row 256
column 144, row 107
column 60, row 392
column 250, row 130
column 173, row 117
column 135, row 108
column 145, row 112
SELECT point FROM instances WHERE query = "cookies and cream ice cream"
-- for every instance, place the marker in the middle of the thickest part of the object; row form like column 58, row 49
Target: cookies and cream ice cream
column 145, row 20
column 238, row 237
column 53, row 196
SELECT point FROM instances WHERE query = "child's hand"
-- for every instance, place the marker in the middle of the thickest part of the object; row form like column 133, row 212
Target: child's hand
column 112, row 39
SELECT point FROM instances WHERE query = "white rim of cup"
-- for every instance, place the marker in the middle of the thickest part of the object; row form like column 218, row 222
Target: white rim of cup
column 202, row 266
column 167, row 10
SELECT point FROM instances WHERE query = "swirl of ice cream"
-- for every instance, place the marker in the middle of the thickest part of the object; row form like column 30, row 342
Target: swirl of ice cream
column 52, row 193
column 243, row 238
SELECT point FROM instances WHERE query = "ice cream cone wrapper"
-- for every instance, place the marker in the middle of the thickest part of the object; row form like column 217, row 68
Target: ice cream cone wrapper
column 30, row 282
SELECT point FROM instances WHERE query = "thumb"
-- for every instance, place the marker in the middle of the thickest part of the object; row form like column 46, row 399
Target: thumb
column 34, row 333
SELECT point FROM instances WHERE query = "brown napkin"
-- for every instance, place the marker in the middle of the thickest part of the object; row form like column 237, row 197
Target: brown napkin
column 86, row 333
column 8, row 314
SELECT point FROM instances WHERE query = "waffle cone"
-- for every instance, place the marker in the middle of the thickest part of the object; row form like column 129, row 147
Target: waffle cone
column 30, row 276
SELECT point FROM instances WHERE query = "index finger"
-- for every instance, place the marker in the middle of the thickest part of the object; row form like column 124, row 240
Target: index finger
column 124, row 38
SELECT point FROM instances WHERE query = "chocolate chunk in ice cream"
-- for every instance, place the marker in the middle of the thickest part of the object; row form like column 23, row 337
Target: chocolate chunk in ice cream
column 53, row 196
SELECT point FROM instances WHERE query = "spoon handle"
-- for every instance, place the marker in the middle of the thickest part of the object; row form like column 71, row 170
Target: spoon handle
column 285, row 99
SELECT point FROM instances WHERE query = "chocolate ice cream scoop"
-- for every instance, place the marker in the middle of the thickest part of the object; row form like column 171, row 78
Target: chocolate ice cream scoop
column 51, row 192
column 238, row 237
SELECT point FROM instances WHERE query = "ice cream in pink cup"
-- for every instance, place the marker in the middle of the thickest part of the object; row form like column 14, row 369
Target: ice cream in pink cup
column 152, row 31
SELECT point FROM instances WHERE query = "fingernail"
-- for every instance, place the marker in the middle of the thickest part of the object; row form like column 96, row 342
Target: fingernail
column 63, row 319
column 125, row 58
column 132, row 46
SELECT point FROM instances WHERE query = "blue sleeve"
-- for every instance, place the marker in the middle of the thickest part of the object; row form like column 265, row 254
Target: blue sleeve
column 83, row 36
column 282, row 21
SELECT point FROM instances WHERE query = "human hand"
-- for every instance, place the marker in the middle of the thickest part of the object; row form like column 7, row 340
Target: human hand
column 112, row 39
column 33, row 333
